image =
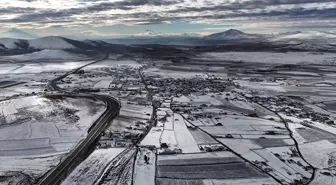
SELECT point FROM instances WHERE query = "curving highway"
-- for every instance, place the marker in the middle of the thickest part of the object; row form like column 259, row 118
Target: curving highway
column 58, row 173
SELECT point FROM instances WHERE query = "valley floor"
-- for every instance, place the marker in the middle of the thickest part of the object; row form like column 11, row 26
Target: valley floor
column 217, row 118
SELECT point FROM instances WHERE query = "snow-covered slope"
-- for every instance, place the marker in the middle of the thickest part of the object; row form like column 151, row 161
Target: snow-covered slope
column 52, row 42
column 310, row 35
column 47, row 54
column 231, row 35
column 8, row 43
column 311, row 40
column 307, row 41
column 304, row 41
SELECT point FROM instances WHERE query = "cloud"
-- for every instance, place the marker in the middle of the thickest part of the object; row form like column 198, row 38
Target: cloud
column 93, row 13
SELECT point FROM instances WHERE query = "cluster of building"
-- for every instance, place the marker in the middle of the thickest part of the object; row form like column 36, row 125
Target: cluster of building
column 168, row 87
column 291, row 107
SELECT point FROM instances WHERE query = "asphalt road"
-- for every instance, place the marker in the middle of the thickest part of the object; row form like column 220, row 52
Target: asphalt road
column 58, row 173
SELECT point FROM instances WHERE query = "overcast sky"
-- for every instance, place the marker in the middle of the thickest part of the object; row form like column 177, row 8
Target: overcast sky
column 116, row 18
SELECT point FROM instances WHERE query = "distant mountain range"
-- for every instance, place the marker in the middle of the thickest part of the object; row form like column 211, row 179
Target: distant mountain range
column 232, row 35
column 303, row 41
column 51, row 42
column 18, row 34
column 311, row 40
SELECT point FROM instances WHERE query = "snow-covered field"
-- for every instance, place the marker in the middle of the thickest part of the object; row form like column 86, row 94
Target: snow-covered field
column 251, row 181
column 263, row 140
column 32, row 166
column 288, row 171
column 113, row 62
column 144, row 171
column 244, row 126
column 34, row 129
column 153, row 137
column 276, row 87
column 136, row 111
column 195, row 130
column 270, row 57
column 92, row 168
column 323, row 179
column 175, row 134
column 321, row 154
column 194, row 158
column 184, row 139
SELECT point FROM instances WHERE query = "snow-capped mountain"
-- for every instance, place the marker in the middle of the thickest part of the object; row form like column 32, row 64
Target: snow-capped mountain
column 231, row 34
column 8, row 43
column 17, row 34
column 305, row 41
column 51, row 42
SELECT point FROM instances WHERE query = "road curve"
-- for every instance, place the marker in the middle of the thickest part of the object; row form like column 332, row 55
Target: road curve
column 58, row 173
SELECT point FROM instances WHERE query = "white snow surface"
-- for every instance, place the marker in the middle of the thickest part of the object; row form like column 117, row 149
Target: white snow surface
column 153, row 137
column 91, row 169
column 286, row 171
column 168, row 137
column 113, row 62
column 251, row 181
column 51, row 134
column 321, row 179
column 184, row 139
column 214, row 155
column 305, row 35
column 10, row 43
column 51, row 42
column 275, row 87
column 36, row 166
column 144, row 174
column 48, row 54
column 321, row 154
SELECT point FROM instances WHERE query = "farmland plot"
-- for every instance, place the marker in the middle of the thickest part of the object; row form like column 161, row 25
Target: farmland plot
column 144, row 172
column 89, row 171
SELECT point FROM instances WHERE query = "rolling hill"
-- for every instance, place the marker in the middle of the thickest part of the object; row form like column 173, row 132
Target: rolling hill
column 231, row 39
column 51, row 42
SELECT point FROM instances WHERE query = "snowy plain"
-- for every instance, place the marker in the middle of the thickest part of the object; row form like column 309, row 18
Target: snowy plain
column 270, row 57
